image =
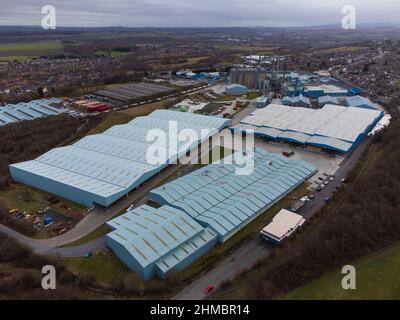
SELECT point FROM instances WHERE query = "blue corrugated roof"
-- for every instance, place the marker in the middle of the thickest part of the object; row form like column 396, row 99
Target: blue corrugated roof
column 164, row 235
column 217, row 197
column 28, row 110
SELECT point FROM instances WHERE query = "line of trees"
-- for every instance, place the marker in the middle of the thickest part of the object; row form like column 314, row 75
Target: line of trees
column 22, row 277
column 366, row 220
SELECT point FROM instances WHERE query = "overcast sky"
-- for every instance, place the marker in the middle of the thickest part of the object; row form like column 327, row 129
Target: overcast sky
column 197, row 13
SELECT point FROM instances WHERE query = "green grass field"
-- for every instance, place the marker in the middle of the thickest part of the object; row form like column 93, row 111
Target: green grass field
column 111, row 119
column 48, row 45
column 108, row 270
column 252, row 95
column 15, row 58
column 377, row 279
column 99, row 232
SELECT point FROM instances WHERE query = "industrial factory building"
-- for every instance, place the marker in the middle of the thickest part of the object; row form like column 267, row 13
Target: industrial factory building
column 335, row 128
column 102, row 168
column 200, row 209
column 132, row 93
column 324, row 100
column 297, row 101
column 324, row 90
column 29, row 110
column 251, row 78
column 215, row 196
column 360, row 102
column 262, row 101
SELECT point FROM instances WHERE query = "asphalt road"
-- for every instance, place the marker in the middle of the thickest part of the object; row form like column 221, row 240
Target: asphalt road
column 247, row 255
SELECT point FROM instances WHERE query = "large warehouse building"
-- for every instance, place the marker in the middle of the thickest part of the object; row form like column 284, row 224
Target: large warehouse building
column 216, row 196
column 29, row 110
column 200, row 209
column 335, row 128
column 102, row 168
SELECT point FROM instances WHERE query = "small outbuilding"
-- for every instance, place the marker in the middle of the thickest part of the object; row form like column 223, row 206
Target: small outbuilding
column 282, row 226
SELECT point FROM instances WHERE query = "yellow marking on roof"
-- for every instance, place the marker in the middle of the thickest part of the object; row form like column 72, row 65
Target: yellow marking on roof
column 187, row 222
column 161, row 240
column 170, row 211
column 149, row 244
column 160, row 215
column 152, row 221
column 179, row 228
column 131, row 231
column 184, row 249
column 195, row 245
column 170, row 234
column 177, row 259
column 142, row 226
column 140, row 252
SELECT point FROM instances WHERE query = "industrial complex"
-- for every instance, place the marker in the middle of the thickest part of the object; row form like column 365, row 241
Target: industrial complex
column 333, row 127
column 100, row 169
column 29, row 110
column 200, row 209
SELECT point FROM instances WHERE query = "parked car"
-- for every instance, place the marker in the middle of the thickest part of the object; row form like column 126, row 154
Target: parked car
column 209, row 288
column 328, row 199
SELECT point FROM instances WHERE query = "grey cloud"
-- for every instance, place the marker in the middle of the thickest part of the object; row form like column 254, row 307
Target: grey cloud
column 197, row 13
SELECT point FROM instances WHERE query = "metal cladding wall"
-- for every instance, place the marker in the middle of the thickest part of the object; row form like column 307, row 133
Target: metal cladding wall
column 54, row 187
column 102, row 168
